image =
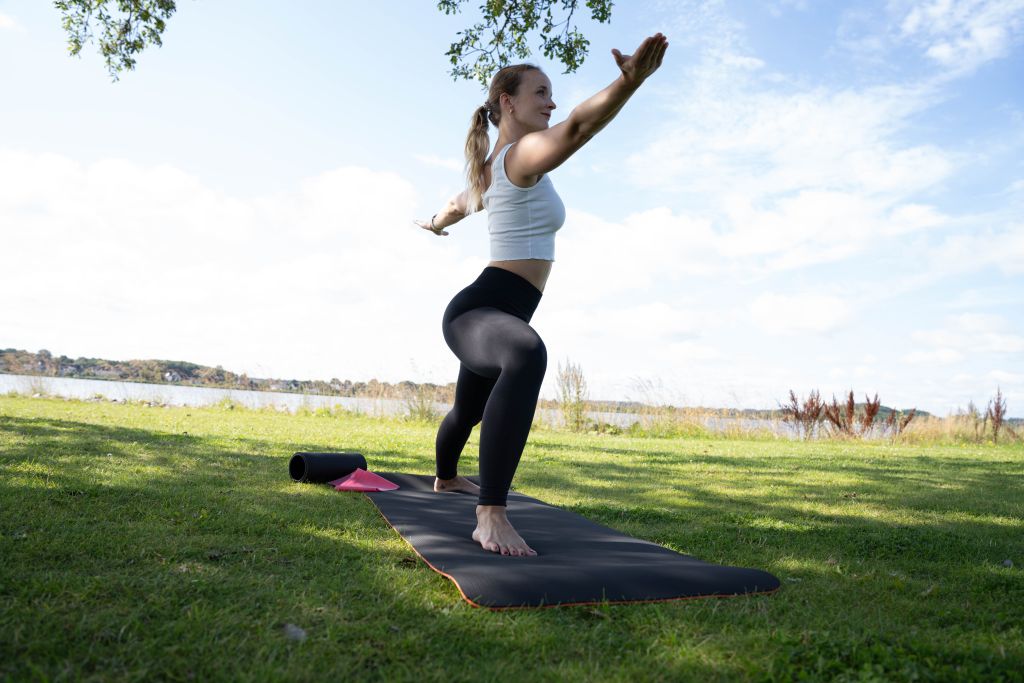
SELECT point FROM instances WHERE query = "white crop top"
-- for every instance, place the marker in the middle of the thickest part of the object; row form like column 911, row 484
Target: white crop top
column 522, row 221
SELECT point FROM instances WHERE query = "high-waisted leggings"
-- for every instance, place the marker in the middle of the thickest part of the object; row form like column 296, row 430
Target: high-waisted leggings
column 503, row 361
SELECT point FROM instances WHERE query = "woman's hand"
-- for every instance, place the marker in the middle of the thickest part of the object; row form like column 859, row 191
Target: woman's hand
column 426, row 226
column 642, row 63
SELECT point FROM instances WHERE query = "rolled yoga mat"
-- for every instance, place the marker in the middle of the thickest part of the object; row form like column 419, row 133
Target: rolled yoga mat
column 578, row 561
column 318, row 468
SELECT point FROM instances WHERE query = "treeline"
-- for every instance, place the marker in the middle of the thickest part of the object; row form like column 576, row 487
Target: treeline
column 44, row 363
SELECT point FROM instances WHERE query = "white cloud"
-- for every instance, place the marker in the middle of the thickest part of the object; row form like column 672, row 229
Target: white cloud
column 449, row 163
column 982, row 297
column 731, row 133
column 962, row 34
column 966, row 335
column 912, row 217
column 1009, row 377
column 956, row 36
column 704, row 23
column 816, row 226
column 10, row 23
column 742, row 62
column 934, row 357
column 777, row 7
column 618, row 259
column 800, row 313
column 328, row 278
column 148, row 261
column 972, row 250
column 791, row 176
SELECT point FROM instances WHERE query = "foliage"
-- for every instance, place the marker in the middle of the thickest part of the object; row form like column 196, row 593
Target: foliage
column 572, row 392
column 974, row 420
column 420, row 404
column 130, row 25
column 996, row 413
column 897, row 422
column 127, row 28
column 803, row 416
column 969, row 426
column 517, row 20
column 844, row 421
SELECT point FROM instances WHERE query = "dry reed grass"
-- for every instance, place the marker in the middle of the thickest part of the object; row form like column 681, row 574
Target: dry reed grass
column 572, row 396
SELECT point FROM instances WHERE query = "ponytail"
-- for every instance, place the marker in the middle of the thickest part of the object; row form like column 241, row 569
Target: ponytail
column 478, row 142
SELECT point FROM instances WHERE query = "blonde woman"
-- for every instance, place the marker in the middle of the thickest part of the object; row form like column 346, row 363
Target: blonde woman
column 487, row 324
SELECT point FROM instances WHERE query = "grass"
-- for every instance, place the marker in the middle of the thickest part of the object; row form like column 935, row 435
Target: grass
column 148, row 543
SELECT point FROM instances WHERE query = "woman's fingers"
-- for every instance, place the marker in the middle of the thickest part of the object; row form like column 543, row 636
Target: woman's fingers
column 426, row 226
column 652, row 54
column 661, row 54
column 653, row 49
column 644, row 51
column 649, row 52
column 646, row 59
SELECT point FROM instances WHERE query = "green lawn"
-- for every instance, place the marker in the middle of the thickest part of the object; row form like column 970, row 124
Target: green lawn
column 145, row 544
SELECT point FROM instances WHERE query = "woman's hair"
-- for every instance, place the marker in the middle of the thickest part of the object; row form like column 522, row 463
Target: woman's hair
column 478, row 142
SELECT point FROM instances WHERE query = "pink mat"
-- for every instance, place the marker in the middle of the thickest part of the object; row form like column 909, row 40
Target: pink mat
column 361, row 480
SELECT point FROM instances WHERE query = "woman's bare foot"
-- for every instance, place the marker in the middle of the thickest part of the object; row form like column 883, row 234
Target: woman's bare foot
column 495, row 533
column 456, row 484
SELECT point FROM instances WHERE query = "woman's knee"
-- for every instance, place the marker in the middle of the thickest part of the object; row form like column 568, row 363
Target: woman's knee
column 530, row 353
column 463, row 419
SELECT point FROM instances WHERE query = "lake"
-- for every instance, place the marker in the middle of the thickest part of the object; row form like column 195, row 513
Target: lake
column 178, row 395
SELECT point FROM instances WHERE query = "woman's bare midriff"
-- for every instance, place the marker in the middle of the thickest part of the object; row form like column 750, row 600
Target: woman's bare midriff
column 534, row 270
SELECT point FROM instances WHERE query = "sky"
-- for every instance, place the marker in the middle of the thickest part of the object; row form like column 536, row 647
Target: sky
column 805, row 196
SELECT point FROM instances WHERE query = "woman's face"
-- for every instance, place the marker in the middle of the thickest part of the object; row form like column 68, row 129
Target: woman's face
column 533, row 105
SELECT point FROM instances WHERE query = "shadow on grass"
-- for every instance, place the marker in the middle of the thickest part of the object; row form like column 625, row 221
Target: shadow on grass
column 159, row 558
column 948, row 512
column 144, row 552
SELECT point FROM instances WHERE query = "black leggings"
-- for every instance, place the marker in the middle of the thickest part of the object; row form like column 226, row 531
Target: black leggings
column 502, row 366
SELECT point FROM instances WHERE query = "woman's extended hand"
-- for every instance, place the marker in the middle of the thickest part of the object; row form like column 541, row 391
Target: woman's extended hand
column 426, row 226
column 642, row 63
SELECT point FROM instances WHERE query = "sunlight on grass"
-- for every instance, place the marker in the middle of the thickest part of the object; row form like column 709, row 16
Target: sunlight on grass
column 134, row 537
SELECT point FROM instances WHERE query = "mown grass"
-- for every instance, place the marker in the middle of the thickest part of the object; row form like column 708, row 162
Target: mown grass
column 144, row 543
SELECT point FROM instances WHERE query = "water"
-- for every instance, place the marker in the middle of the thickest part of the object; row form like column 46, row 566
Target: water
column 177, row 395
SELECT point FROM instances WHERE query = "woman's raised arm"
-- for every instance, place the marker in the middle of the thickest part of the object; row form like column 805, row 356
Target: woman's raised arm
column 545, row 150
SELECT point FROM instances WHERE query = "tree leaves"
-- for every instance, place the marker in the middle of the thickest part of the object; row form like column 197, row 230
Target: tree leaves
column 508, row 40
column 128, row 26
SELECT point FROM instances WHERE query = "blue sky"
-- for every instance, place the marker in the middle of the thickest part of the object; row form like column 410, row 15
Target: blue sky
column 805, row 196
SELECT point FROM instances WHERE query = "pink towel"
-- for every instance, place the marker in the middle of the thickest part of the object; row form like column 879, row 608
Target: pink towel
column 361, row 480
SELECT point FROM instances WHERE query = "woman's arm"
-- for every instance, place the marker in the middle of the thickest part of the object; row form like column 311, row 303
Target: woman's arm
column 545, row 150
column 453, row 212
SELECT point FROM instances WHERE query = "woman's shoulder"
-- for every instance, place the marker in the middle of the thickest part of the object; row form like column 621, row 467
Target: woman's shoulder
column 510, row 169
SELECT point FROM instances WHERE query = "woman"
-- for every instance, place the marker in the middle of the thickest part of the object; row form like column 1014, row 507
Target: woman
column 486, row 325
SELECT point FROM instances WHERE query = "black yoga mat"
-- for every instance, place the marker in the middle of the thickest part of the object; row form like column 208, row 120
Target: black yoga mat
column 578, row 561
column 320, row 467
